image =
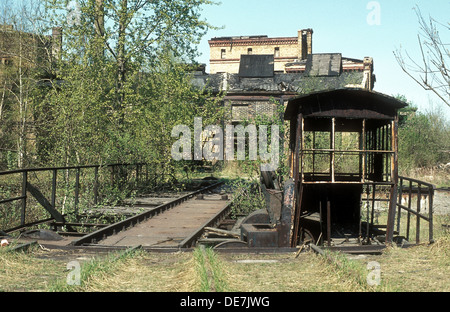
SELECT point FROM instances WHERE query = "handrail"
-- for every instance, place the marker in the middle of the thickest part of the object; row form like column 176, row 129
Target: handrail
column 422, row 189
column 50, row 204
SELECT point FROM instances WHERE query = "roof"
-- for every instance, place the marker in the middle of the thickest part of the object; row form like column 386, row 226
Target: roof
column 345, row 103
column 325, row 64
column 256, row 66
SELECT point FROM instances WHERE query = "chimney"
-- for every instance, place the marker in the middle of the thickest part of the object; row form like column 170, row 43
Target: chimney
column 369, row 76
column 56, row 42
column 305, row 43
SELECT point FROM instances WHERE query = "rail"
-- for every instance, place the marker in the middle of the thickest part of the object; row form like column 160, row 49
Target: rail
column 26, row 188
column 123, row 225
column 423, row 193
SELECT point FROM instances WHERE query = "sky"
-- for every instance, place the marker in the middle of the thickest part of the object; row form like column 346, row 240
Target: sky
column 355, row 28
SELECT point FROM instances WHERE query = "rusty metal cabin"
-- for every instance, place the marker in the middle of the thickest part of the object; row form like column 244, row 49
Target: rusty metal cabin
column 342, row 151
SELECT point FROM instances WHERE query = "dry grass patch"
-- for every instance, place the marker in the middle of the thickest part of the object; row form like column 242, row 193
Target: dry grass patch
column 423, row 268
column 306, row 273
column 148, row 272
column 26, row 272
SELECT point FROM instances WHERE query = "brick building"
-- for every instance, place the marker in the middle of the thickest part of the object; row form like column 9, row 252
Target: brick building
column 225, row 52
column 259, row 73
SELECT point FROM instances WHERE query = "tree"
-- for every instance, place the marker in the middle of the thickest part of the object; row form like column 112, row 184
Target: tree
column 432, row 72
column 423, row 137
column 123, row 82
column 26, row 57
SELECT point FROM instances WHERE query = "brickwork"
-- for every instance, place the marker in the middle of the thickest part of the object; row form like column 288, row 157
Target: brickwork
column 225, row 52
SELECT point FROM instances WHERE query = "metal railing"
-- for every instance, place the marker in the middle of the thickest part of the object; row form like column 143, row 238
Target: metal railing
column 423, row 193
column 26, row 188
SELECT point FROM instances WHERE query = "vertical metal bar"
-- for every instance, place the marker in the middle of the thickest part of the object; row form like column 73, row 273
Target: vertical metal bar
column 77, row 189
column 328, row 222
column 408, row 220
column 313, row 154
column 419, row 195
column 24, row 196
column 394, row 180
column 302, row 147
column 400, row 196
column 368, row 213
column 55, row 173
column 373, row 203
column 332, row 155
column 297, row 181
column 430, row 212
column 364, row 154
column 96, row 185
column 320, row 221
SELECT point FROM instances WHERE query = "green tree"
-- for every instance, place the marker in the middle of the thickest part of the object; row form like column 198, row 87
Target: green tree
column 423, row 138
column 122, row 82
column 26, row 54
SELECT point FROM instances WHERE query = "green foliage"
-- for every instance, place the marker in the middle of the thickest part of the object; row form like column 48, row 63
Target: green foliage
column 248, row 195
column 424, row 140
column 122, row 87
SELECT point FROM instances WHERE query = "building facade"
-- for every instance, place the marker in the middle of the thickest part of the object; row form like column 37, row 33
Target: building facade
column 225, row 52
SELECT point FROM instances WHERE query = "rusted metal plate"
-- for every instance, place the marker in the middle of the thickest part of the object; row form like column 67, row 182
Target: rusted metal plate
column 172, row 227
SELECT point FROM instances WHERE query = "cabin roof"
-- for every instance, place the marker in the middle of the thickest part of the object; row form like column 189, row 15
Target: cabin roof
column 344, row 103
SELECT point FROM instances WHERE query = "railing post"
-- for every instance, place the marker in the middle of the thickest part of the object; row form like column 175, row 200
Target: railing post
column 430, row 212
column 400, row 197
column 419, row 195
column 77, row 189
column 55, row 172
column 408, row 222
column 24, row 196
column 96, row 185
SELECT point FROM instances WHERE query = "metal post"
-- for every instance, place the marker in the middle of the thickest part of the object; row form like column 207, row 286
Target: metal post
column 77, row 189
column 419, row 195
column 332, row 147
column 54, row 188
column 400, row 195
column 329, row 222
column 394, row 180
column 430, row 212
column 364, row 154
column 24, row 196
column 96, row 185
column 408, row 220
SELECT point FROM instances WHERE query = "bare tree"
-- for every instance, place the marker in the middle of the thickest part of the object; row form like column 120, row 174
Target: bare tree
column 432, row 71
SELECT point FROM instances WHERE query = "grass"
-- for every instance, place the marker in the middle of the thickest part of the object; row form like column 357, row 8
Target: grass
column 423, row 268
column 21, row 271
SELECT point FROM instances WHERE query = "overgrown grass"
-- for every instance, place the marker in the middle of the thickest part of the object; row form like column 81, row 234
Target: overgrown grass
column 20, row 271
column 94, row 269
column 210, row 270
column 420, row 268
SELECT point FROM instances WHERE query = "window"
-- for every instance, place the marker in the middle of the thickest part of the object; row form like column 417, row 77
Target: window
column 277, row 52
column 249, row 51
column 223, row 53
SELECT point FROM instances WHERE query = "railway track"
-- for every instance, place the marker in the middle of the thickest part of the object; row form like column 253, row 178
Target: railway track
column 173, row 225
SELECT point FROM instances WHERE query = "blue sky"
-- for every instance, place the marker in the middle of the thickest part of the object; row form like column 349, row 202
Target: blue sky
column 339, row 26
